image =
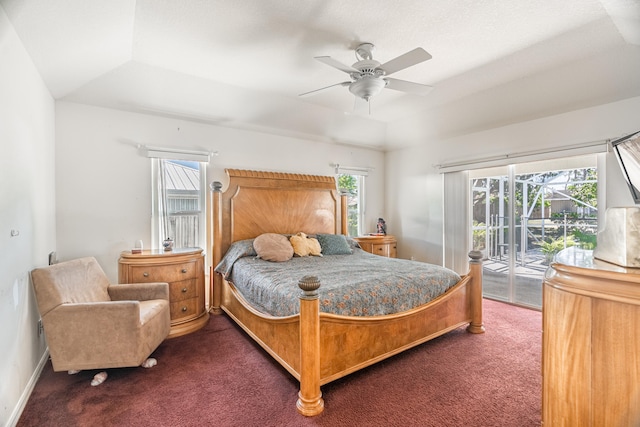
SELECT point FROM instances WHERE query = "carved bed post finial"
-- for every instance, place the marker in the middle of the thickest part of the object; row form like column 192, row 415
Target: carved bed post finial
column 310, row 401
column 215, row 279
column 475, row 266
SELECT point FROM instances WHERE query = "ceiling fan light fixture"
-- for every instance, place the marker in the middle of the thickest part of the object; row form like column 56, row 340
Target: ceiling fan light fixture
column 367, row 87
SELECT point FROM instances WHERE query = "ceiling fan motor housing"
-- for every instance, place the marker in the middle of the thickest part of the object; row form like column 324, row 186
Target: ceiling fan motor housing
column 368, row 68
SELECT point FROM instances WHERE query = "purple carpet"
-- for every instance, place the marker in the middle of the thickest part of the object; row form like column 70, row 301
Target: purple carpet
column 218, row 377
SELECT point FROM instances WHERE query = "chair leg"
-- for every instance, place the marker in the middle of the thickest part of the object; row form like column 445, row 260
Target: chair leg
column 149, row 363
column 99, row 378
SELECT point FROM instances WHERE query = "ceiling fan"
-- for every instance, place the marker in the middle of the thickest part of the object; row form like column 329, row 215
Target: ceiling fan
column 369, row 77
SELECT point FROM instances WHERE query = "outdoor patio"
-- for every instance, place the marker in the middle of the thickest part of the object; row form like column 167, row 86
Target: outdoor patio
column 527, row 280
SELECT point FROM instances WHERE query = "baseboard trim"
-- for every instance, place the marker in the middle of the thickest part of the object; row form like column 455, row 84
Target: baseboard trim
column 24, row 398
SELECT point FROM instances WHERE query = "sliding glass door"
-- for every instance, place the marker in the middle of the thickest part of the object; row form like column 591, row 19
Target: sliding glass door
column 522, row 215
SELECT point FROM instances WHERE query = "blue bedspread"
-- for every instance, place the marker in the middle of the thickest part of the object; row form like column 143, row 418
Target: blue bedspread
column 360, row 284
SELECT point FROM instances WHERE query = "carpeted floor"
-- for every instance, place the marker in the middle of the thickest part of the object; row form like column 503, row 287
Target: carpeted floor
column 219, row 377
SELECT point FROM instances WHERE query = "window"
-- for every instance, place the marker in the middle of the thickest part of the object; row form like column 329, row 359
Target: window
column 353, row 186
column 178, row 202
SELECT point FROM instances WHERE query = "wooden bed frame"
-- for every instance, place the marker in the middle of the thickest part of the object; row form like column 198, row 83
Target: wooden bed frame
column 315, row 347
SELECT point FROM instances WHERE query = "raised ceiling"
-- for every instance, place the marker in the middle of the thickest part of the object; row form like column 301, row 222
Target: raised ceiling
column 242, row 63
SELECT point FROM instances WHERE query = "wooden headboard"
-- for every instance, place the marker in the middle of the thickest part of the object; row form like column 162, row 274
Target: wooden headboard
column 273, row 202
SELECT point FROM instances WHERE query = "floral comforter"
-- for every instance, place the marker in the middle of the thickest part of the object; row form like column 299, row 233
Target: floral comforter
column 359, row 284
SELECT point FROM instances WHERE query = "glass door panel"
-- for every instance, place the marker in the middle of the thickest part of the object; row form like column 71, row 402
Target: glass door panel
column 523, row 215
column 491, row 233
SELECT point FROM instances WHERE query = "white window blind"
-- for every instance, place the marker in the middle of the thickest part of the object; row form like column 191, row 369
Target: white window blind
column 456, row 221
column 526, row 157
column 177, row 154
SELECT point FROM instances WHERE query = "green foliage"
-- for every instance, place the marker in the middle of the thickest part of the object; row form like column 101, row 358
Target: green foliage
column 586, row 192
column 560, row 215
column 550, row 246
column 585, row 240
column 479, row 236
column 349, row 184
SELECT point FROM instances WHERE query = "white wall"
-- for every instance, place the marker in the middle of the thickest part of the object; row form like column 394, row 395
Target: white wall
column 414, row 185
column 103, row 182
column 27, row 198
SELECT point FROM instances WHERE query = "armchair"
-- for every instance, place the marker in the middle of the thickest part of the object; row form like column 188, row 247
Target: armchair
column 92, row 324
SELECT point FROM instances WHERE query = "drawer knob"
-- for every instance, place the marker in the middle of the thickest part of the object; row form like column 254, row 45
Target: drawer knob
column 145, row 274
column 184, row 290
column 184, row 309
column 184, row 270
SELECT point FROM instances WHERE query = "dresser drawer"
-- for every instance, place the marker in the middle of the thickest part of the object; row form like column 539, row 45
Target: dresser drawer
column 184, row 309
column 162, row 273
column 184, row 289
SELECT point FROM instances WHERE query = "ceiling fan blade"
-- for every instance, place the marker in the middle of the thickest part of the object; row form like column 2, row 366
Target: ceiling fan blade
column 409, row 87
column 336, row 64
column 410, row 58
column 323, row 88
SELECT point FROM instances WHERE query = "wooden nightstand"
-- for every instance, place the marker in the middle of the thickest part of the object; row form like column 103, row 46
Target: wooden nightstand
column 378, row 245
column 183, row 269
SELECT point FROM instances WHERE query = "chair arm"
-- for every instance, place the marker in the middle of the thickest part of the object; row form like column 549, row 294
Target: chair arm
column 139, row 291
column 92, row 335
column 93, row 321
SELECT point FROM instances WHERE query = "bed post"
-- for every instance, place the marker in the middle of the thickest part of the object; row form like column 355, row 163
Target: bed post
column 475, row 266
column 344, row 209
column 310, row 401
column 215, row 289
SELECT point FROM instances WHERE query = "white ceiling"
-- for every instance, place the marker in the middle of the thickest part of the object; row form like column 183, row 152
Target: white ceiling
column 242, row 63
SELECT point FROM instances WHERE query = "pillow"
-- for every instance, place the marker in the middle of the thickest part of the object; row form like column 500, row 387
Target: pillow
column 314, row 246
column 299, row 243
column 273, row 247
column 334, row 244
column 304, row 246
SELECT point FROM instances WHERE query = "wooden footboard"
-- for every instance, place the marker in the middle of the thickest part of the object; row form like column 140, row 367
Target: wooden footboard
column 317, row 348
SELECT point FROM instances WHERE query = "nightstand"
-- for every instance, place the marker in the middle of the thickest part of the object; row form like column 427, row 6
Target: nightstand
column 183, row 269
column 378, row 245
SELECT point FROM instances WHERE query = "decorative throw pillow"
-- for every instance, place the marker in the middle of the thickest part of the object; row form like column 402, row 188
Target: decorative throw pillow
column 273, row 247
column 304, row 245
column 314, row 246
column 299, row 243
column 334, row 244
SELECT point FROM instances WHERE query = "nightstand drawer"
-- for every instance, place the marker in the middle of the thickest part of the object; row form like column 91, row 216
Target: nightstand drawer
column 184, row 309
column 184, row 289
column 379, row 245
column 183, row 269
column 380, row 249
column 163, row 273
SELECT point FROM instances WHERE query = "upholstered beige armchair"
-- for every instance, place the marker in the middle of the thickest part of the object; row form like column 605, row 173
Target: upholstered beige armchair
column 92, row 324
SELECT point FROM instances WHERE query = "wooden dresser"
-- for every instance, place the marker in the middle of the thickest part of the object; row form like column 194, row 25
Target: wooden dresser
column 379, row 245
column 591, row 342
column 183, row 269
